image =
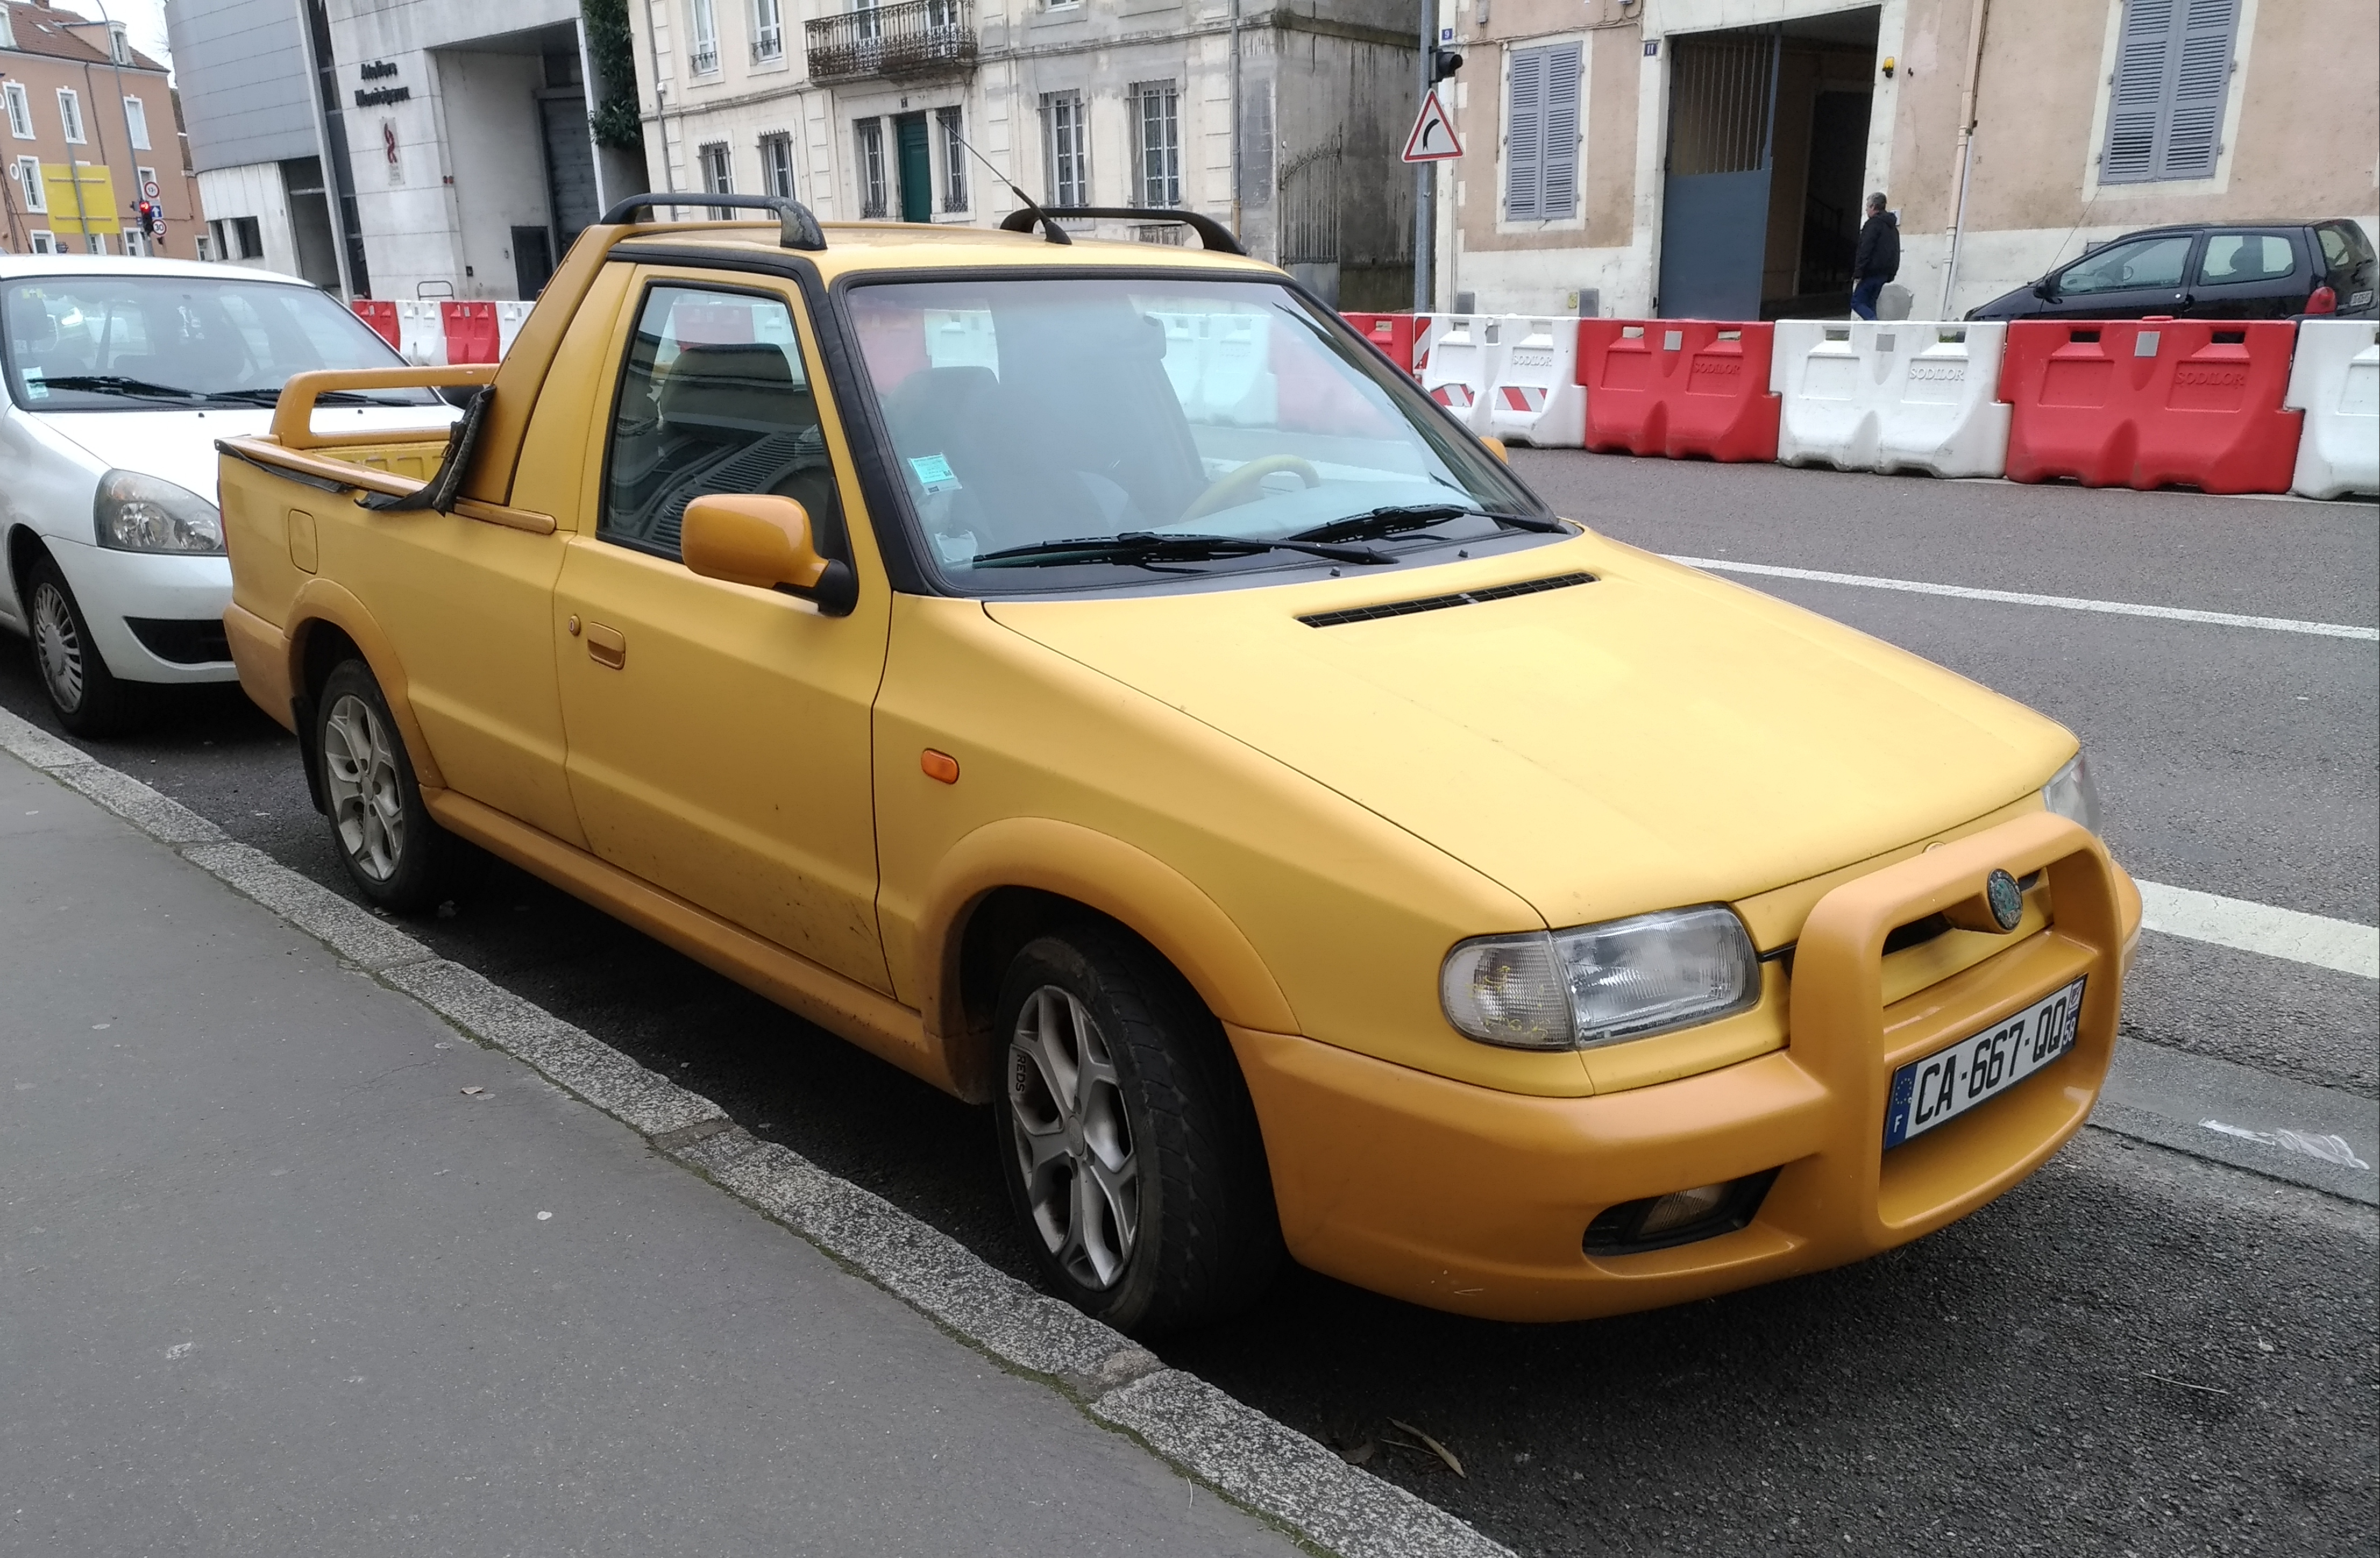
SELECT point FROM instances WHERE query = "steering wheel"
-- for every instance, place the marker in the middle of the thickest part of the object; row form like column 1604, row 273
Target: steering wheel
column 1237, row 487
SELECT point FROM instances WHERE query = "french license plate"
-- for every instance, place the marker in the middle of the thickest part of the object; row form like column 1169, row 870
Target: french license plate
column 1947, row 1083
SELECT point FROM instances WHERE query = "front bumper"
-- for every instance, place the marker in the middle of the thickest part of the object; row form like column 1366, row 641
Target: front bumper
column 111, row 586
column 1466, row 1199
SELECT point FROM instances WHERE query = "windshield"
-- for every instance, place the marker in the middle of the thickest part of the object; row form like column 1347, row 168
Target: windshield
column 1086, row 434
column 113, row 342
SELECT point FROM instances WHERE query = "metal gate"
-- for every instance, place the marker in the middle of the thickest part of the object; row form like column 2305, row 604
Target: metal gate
column 1715, row 195
column 1347, row 235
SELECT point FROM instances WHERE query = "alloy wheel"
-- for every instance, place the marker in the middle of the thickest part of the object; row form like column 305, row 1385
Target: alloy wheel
column 57, row 645
column 367, row 801
column 1073, row 1144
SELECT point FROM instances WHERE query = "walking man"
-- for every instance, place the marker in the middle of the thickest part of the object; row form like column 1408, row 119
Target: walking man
column 1877, row 259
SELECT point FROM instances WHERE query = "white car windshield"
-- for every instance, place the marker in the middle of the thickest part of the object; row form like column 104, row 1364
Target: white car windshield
column 110, row 341
column 1056, row 433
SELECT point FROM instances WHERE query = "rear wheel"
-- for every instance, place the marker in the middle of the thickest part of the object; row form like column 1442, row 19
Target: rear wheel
column 1127, row 1139
column 395, row 853
column 89, row 699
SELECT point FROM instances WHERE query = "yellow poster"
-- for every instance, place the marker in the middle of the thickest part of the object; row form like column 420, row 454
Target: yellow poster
column 95, row 213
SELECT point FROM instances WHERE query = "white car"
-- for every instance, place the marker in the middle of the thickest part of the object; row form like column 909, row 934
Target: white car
column 120, row 375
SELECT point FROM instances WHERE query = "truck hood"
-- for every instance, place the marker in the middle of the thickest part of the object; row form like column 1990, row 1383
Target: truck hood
column 179, row 445
column 1654, row 738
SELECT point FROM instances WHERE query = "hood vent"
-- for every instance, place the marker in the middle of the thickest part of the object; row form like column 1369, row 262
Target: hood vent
column 1440, row 603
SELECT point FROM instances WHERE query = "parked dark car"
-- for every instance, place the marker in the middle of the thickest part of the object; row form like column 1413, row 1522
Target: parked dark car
column 2261, row 270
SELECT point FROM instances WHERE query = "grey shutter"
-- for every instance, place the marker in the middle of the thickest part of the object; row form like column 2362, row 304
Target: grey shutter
column 1558, row 157
column 2135, row 101
column 2173, row 74
column 1525, row 131
column 2202, row 80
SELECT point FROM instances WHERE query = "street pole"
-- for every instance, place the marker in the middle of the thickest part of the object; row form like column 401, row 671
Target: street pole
column 1425, row 174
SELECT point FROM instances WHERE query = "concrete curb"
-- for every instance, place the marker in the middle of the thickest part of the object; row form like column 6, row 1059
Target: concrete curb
column 1258, row 1463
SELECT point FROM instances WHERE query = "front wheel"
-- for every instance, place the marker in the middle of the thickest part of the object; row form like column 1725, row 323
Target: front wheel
column 1127, row 1138
column 395, row 853
column 89, row 699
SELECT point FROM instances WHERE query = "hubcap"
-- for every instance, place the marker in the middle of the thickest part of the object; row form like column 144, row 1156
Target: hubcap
column 1074, row 1145
column 57, row 646
column 366, row 804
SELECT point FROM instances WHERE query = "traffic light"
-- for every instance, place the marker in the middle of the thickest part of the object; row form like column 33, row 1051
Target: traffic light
column 1443, row 62
column 152, row 218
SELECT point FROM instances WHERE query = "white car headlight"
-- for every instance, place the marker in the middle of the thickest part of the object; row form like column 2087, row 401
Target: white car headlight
column 1601, row 985
column 2071, row 795
column 137, row 513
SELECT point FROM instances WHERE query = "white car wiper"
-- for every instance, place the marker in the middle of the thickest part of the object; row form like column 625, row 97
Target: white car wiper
column 117, row 383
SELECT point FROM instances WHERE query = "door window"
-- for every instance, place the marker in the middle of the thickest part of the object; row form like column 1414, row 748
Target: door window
column 714, row 398
column 2126, row 267
column 2232, row 258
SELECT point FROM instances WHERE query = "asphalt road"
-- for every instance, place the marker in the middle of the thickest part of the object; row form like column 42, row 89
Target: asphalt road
column 2135, row 1351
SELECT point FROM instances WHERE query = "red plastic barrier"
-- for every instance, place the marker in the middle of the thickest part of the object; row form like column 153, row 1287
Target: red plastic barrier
column 470, row 333
column 382, row 317
column 2152, row 403
column 1393, row 334
column 1685, row 388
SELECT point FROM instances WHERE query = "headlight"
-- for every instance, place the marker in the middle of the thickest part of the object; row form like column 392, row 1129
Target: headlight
column 1600, row 984
column 137, row 513
column 2071, row 795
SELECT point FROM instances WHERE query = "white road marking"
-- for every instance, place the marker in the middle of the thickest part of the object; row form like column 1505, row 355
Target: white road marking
column 2019, row 598
column 2342, row 945
column 2329, row 1149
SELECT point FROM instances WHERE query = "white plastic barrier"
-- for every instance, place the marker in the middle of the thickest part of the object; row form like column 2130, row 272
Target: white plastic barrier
column 1537, row 399
column 422, row 334
column 510, row 317
column 2335, row 380
column 1466, row 356
column 1898, row 394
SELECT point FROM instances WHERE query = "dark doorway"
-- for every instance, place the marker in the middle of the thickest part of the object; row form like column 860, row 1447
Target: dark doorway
column 532, row 259
column 1767, row 145
column 916, row 166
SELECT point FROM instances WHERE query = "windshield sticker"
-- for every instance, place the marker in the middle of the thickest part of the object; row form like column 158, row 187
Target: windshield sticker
column 934, row 472
column 36, row 387
column 958, row 550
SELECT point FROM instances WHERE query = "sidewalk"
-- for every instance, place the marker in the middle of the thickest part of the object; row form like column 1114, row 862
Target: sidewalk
column 289, row 1266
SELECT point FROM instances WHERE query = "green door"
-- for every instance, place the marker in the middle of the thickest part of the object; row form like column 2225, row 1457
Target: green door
column 916, row 169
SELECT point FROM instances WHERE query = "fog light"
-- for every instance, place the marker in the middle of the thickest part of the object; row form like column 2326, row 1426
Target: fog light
column 1681, row 1217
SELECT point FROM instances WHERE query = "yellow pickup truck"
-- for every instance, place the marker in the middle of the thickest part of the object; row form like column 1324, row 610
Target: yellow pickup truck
column 1091, row 678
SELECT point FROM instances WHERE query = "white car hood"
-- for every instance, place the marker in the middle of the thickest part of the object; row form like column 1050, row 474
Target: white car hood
column 179, row 445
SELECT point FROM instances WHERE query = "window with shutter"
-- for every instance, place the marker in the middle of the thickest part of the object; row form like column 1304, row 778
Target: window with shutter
column 2173, row 75
column 1541, row 134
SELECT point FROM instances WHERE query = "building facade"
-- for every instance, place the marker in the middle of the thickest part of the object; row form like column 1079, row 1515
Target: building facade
column 396, row 149
column 92, row 133
column 1684, row 157
column 1283, row 121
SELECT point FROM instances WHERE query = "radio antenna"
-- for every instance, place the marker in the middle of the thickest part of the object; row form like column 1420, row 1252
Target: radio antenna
column 1051, row 231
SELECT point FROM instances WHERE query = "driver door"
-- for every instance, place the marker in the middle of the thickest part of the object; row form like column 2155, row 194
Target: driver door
column 2128, row 279
column 719, row 734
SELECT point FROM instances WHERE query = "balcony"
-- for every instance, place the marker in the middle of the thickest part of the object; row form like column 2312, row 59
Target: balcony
column 894, row 42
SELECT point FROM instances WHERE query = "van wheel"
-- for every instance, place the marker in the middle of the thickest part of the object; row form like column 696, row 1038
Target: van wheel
column 395, row 853
column 1126, row 1137
column 89, row 699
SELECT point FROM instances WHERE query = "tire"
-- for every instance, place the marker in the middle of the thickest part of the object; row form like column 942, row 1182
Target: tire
column 1127, row 1139
column 89, row 699
column 398, row 857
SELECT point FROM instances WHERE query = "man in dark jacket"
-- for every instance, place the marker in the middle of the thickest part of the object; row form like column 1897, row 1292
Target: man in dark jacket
column 1877, row 259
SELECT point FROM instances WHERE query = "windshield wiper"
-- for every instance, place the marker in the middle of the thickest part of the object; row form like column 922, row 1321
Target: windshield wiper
column 116, row 384
column 1373, row 524
column 1153, row 547
column 246, row 398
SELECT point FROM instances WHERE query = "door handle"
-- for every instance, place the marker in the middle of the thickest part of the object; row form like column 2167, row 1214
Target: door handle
column 606, row 646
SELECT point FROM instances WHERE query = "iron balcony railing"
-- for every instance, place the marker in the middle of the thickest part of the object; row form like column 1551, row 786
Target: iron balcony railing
column 912, row 38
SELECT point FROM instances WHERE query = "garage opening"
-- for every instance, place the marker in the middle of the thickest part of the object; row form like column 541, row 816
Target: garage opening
column 1767, row 152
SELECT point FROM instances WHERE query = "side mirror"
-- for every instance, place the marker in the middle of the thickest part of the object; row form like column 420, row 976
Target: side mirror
column 1496, row 448
column 764, row 541
column 2042, row 290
